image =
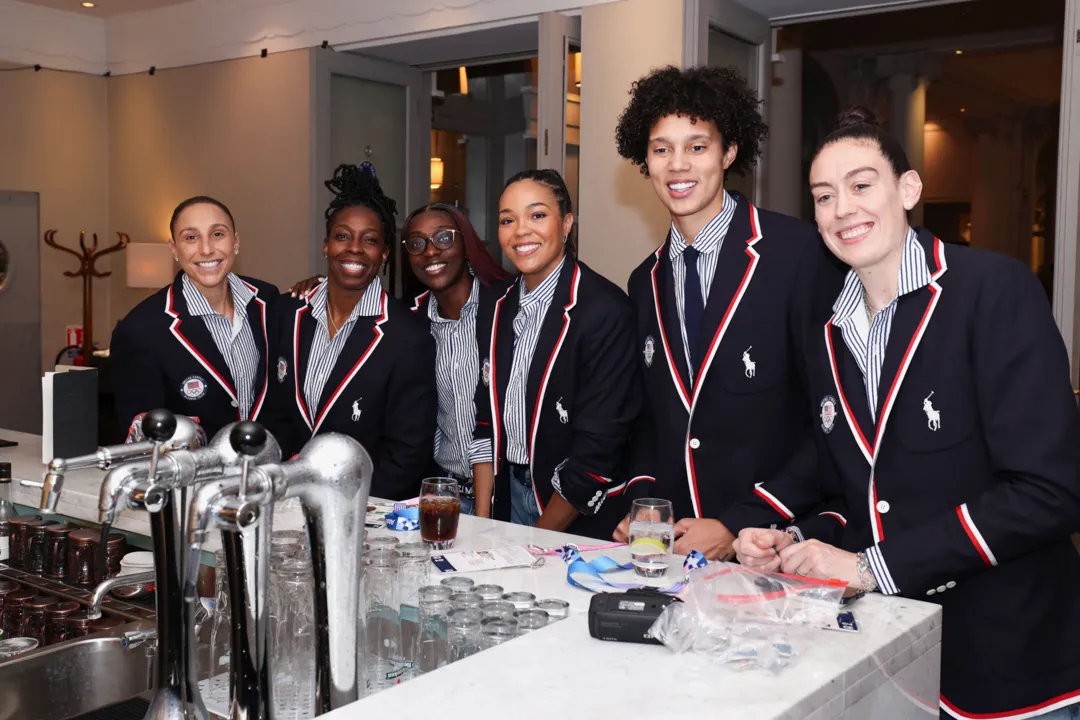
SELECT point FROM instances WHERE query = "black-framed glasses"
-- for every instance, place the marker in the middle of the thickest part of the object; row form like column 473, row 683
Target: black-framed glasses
column 444, row 240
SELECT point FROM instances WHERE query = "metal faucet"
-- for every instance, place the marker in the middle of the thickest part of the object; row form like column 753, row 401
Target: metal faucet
column 103, row 589
column 182, row 433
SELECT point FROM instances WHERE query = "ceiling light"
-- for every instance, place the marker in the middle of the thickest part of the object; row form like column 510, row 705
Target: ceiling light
column 963, row 109
column 89, row 5
column 959, row 52
column 436, row 173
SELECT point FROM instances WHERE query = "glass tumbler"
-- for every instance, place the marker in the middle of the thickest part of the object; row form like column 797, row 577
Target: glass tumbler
column 432, row 647
column 489, row 592
column 652, row 536
column 466, row 600
column 464, row 631
column 292, row 638
column 556, row 609
column 440, row 509
column 413, row 573
column 220, row 643
column 529, row 620
column 496, row 631
column 520, row 600
column 385, row 664
column 458, row 583
column 497, row 609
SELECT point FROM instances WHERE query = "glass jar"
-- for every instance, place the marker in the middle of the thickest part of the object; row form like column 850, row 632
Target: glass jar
column 489, row 592
column 115, row 548
column 556, row 609
column 529, row 620
column 13, row 611
column 464, row 632
column 33, row 616
column 385, row 658
column 520, row 600
column 78, row 626
column 6, row 587
column 56, row 621
column 497, row 609
column 33, row 551
column 459, row 583
column 432, row 648
column 496, row 631
column 18, row 526
column 56, row 550
column 81, row 557
column 466, row 600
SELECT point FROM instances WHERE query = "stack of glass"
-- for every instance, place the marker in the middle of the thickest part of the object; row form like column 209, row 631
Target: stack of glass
column 432, row 645
column 385, row 662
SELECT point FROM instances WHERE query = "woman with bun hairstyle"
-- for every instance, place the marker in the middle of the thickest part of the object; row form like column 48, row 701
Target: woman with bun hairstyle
column 198, row 346
column 556, row 396
column 448, row 259
column 352, row 359
column 946, row 409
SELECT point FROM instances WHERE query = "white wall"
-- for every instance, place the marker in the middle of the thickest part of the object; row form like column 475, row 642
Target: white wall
column 948, row 164
column 621, row 219
column 33, row 35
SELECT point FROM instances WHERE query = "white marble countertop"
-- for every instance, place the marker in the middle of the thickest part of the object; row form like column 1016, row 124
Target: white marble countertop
column 889, row 669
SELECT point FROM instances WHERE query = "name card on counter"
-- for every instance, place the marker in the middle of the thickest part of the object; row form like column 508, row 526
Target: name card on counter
column 511, row 556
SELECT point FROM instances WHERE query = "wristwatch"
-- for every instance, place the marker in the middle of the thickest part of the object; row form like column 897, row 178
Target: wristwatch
column 795, row 533
column 866, row 576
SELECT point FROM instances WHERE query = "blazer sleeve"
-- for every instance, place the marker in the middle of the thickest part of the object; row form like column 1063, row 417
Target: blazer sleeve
column 641, row 455
column 408, row 440
column 605, row 406
column 143, row 385
column 1030, row 422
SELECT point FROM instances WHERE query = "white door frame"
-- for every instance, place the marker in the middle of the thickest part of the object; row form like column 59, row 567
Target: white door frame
column 740, row 22
column 1067, row 220
column 557, row 31
column 325, row 63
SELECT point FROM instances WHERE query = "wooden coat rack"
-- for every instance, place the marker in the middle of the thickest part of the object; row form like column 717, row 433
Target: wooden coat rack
column 88, row 257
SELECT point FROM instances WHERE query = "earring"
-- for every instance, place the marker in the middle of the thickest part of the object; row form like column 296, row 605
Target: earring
column 236, row 251
column 566, row 238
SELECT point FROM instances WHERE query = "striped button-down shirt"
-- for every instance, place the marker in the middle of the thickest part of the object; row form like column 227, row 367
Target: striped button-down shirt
column 234, row 339
column 324, row 350
column 457, row 370
column 708, row 243
column 533, row 306
column 867, row 341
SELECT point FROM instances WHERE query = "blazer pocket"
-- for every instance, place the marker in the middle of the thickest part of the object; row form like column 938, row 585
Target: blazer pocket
column 933, row 421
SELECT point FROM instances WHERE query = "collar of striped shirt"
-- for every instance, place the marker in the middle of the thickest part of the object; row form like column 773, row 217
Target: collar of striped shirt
column 433, row 304
column 199, row 305
column 914, row 274
column 711, row 236
column 369, row 305
column 543, row 292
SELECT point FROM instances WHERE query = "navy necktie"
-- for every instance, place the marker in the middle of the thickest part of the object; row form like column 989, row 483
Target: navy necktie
column 693, row 304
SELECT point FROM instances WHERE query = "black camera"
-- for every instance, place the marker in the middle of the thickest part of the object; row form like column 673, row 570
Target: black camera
column 627, row 617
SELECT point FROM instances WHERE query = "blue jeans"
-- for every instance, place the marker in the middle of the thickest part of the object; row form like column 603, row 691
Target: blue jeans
column 523, row 507
column 468, row 507
column 1071, row 712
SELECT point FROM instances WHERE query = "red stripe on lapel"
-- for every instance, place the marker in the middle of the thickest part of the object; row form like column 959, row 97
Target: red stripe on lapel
column 418, row 300
column 175, row 329
column 853, row 424
column 547, row 375
column 675, row 377
column 266, row 354
column 359, row 364
column 297, row 380
column 493, row 383
column 699, row 379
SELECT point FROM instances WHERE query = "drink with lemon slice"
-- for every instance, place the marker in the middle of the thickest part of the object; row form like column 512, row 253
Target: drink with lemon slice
column 651, row 536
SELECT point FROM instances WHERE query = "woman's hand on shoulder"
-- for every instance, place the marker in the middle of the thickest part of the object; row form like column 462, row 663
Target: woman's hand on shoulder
column 304, row 286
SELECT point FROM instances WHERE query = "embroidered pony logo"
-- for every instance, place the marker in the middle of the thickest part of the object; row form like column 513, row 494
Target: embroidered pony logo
column 356, row 409
column 564, row 417
column 750, row 365
column 933, row 417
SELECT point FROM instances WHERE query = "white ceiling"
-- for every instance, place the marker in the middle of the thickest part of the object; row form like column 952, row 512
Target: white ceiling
column 779, row 10
column 105, row 8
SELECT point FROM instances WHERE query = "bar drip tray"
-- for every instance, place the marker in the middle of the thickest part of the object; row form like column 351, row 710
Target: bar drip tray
column 215, row 694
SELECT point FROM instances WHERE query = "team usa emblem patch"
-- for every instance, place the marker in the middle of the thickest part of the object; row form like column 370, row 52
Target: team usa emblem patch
column 828, row 413
column 486, row 371
column 193, row 387
column 650, row 351
column 282, row 369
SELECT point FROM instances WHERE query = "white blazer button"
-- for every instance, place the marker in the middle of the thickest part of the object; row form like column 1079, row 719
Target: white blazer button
column 592, row 502
column 941, row 588
column 233, row 403
column 951, row 584
column 694, row 443
column 931, row 591
column 883, row 506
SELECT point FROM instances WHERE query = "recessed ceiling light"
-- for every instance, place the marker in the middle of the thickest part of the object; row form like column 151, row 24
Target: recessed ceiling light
column 958, row 52
column 89, row 5
column 963, row 109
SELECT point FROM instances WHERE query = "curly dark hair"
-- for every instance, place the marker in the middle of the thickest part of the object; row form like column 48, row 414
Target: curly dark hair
column 358, row 185
column 718, row 95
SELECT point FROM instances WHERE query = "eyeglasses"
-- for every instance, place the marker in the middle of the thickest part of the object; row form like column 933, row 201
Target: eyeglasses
column 444, row 240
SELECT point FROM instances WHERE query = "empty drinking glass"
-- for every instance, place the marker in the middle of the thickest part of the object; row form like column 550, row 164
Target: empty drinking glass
column 385, row 665
column 413, row 573
column 219, row 623
column 652, row 534
column 432, row 645
column 458, row 583
column 292, row 638
column 489, row 592
column 464, row 629
column 555, row 609
column 529, row 620
column 496, row 631
column 497, row 609
column 466, row 600
column 520, row 600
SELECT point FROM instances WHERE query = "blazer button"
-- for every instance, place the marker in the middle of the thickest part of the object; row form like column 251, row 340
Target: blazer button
column 694, row 443
column 931, row 591
column 883, row 506
column 951, row 584
column 941, row 588
column 233, row 403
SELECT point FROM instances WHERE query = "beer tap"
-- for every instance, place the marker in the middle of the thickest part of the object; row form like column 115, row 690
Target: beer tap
column 182, row 433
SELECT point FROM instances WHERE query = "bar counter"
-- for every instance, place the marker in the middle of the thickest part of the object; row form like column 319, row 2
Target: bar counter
column 888, row 669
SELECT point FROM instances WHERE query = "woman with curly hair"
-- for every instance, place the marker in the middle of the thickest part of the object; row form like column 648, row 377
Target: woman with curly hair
column 722, row 307
column 352, row 359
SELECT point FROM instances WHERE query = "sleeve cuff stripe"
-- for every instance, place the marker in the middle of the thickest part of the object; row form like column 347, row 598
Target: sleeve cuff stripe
column 839, row 518
column 975, row 536
column 774, row 502
column 881, row 571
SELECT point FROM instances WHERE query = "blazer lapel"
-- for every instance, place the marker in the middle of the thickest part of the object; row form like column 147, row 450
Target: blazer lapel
column 366, row 335
column 303, row 335
column 667, row 318
column 500, row 353
column 256, row 314
column 734, row 270
column 852, row 390
column 191, row 332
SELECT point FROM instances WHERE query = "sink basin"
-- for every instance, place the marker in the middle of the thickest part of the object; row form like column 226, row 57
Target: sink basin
column 75, row 677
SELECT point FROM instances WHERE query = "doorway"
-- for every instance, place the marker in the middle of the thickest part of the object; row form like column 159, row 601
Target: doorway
column 20, row 312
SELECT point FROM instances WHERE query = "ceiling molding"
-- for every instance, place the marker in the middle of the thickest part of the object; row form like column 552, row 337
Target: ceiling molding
column 33, row 35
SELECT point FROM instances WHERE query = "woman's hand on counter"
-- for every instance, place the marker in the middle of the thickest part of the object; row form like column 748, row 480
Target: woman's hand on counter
column 622, row 532
column 815, row 559
column 759, row 548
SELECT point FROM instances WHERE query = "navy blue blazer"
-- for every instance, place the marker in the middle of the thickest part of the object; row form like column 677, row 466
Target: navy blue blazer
column 581, row 399
column 381, row 391
column 969, row 483
column 166, row 358
column 705, row 445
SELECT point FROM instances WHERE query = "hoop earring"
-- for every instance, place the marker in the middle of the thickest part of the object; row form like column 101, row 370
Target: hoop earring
column 566, row 239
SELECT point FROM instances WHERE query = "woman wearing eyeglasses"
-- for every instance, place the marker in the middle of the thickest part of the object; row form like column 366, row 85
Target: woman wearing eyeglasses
column 447, row 257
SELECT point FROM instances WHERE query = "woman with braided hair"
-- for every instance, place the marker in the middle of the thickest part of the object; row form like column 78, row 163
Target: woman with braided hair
column 352, row 359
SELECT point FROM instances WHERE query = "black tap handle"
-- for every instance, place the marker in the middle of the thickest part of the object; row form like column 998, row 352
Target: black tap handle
column 159, row 425
column 248, row 438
